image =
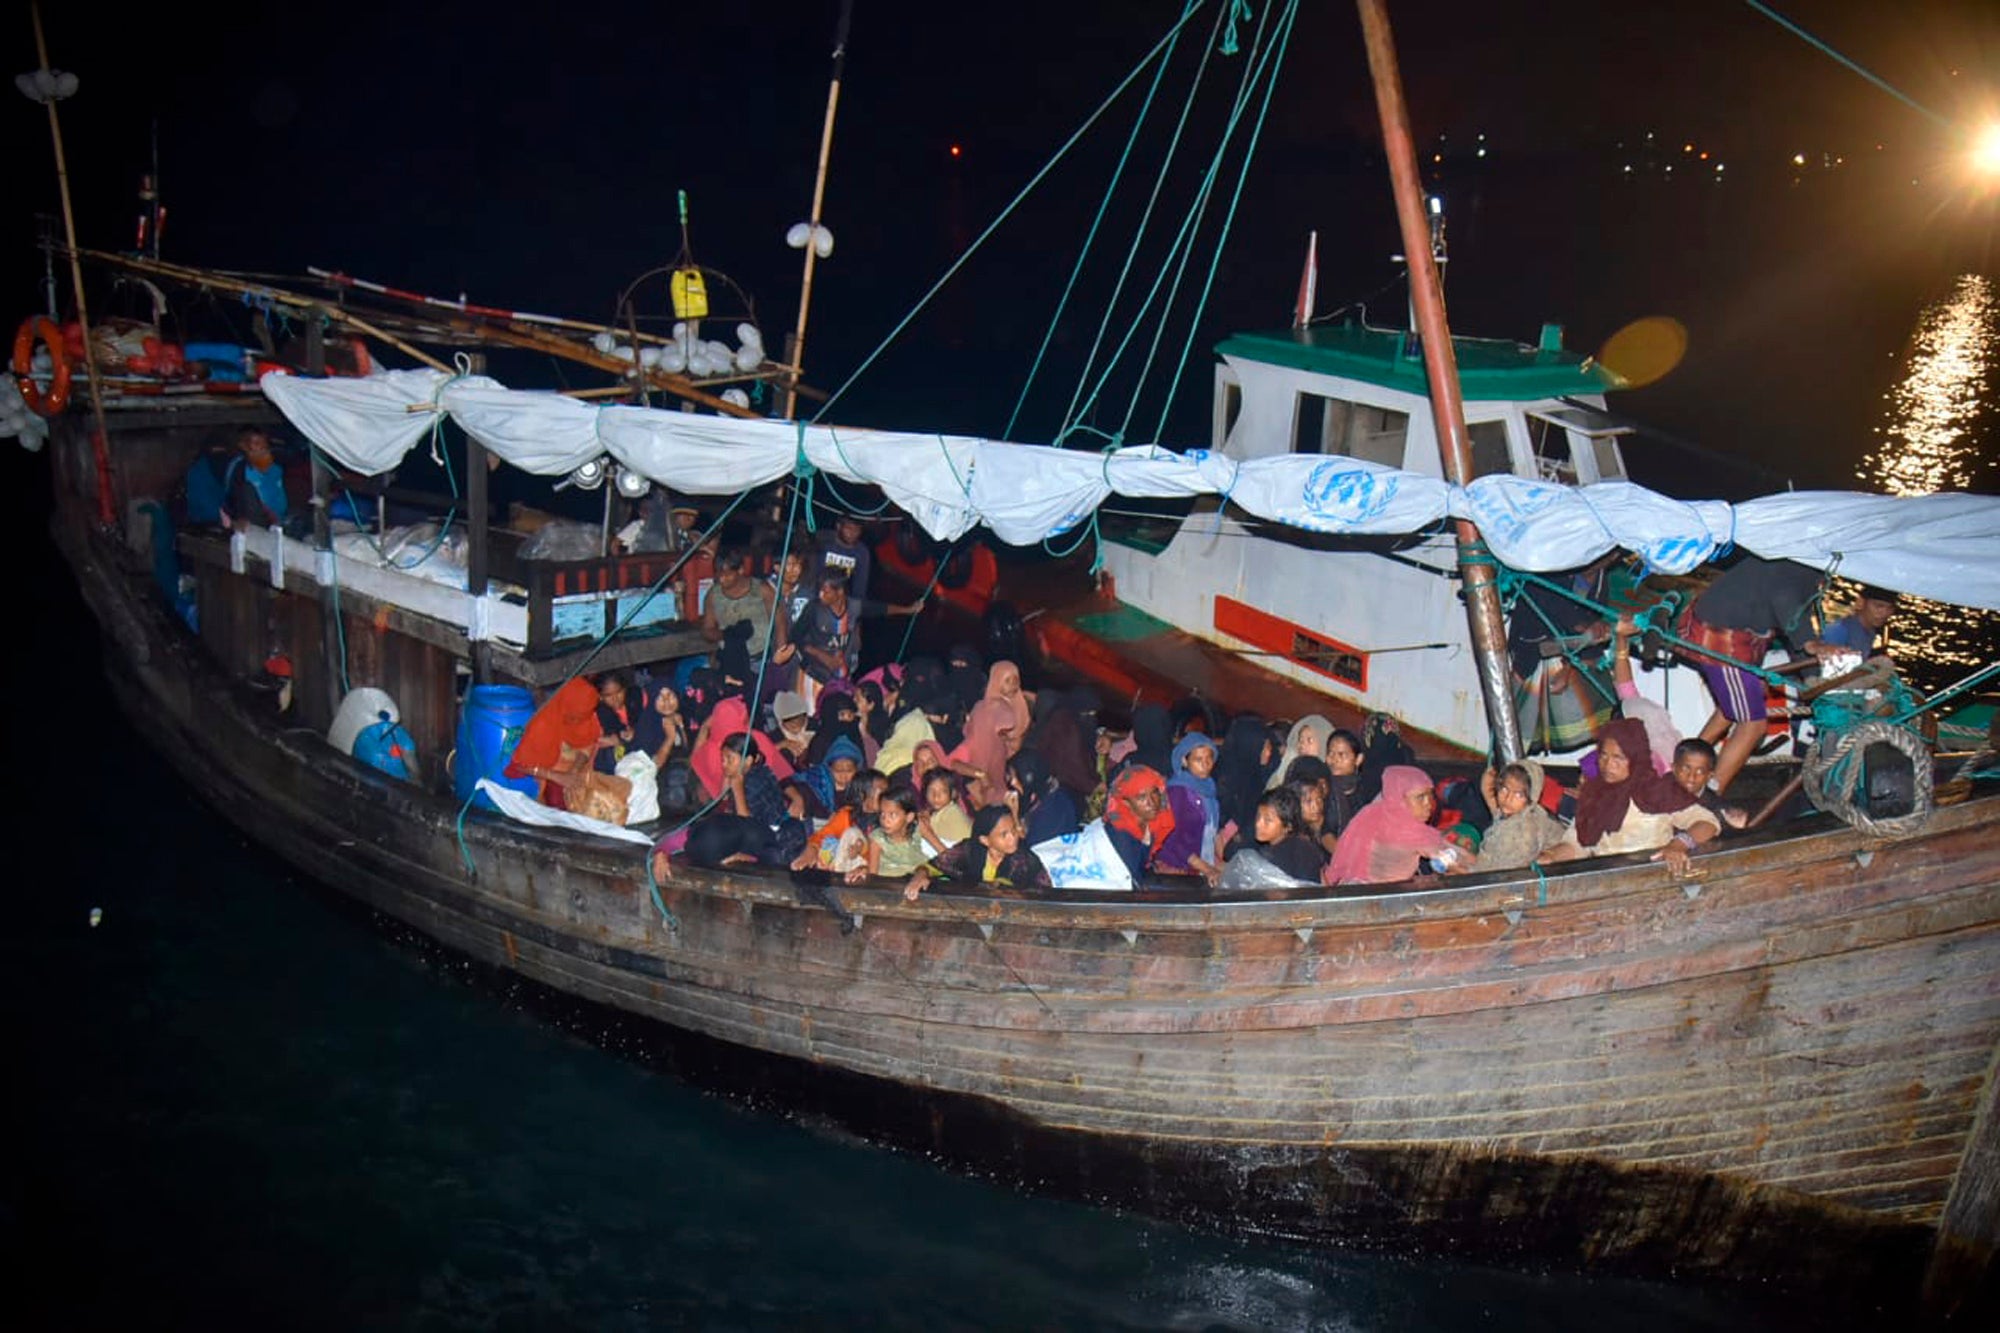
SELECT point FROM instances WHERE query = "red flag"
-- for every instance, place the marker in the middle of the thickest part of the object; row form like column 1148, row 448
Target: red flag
column 1308, row 284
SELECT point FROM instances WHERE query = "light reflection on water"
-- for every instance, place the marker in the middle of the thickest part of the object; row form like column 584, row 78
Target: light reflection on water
column 1939, row 433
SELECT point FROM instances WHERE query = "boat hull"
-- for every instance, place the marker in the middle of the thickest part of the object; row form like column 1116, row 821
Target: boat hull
column 1776, row 1070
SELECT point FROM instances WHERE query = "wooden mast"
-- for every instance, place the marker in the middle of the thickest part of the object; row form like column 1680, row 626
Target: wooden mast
column 1482, row 594
column 100, row 447
column 795, row 354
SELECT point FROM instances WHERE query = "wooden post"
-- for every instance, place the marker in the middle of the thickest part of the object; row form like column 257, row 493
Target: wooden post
column 795, row 346
column 478, row 557
column 101, row 443
column 322, row 525
column 1482, row 593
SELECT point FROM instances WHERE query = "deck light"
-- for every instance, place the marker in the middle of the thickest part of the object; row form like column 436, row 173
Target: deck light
column 632, row 485
column 588, row 477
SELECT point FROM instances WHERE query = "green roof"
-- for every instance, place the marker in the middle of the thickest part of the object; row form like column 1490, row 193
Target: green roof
column 1489, row 369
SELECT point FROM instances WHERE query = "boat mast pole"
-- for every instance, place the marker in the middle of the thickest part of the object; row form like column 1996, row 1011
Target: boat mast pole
column 1476, row 569
column 99, row 448
column 796, row 353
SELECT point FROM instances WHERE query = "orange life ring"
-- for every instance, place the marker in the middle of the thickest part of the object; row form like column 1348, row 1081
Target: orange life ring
column 42, row 329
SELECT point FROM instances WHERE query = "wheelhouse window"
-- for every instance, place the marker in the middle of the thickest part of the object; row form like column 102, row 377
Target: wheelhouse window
column 1322, row 425
column 1586, row 435
column 1229, row 406
column 1553, row 460
column 1490, row 454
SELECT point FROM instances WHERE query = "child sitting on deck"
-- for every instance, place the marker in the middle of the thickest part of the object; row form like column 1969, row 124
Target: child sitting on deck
column 1280, row 841
column 1522, row 827
column 992, row 855
column 894, row 849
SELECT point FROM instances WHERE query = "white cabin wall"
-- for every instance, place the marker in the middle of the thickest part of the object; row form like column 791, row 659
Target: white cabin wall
column 1357, row 598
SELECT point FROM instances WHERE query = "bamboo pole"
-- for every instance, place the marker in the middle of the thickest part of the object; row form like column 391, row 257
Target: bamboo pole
column 506, row 335
column 1482, row 594
column 355, row 321
column 798, row 348
column 100, row 445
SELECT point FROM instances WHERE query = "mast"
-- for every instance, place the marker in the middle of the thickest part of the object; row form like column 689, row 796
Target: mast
column 797, row 351
column 1475, row 563
column 99, row 446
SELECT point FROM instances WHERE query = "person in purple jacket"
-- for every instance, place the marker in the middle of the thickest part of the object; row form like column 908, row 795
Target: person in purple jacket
column 1197, row 810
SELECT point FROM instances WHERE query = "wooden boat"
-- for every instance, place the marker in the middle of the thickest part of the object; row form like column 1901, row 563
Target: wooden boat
column 1782, row 1068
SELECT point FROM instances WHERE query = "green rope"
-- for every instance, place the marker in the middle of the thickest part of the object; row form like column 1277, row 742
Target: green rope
column 1025, row 190
column 1237, row 9
column 1648, row 620
column 911, row 628
column 1883, row 84
column 1179, row 251
column 1274, row 62
column 1138, row 234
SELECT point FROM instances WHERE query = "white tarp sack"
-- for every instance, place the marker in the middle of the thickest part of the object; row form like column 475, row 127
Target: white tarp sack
column 1944, row 547
column 365, row 424
column 643, row 805
column 362, row 708
column 1084, row 859
column 1544, row 526
column 525, row 809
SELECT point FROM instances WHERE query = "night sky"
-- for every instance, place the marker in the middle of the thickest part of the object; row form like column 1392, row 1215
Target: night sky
column 532, row 161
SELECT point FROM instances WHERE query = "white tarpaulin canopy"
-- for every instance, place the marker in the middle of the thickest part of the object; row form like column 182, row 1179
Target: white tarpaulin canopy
column 1944, row 547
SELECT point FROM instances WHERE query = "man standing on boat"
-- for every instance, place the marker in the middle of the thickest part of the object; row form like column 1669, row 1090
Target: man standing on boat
column 1736, row 619
column 828, row 635
column 736, row 597
column 847, row 554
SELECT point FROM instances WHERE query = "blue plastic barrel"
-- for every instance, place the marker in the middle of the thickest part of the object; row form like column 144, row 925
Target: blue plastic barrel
column 489, row 725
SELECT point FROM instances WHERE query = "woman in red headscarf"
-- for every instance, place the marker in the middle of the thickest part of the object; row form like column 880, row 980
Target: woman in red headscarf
column 729, row 717
column 1390, row 836
column 1136, row 817
column 1628, row 807
column 567, row 719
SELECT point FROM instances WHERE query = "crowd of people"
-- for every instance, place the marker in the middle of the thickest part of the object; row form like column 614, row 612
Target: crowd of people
column 950, row 768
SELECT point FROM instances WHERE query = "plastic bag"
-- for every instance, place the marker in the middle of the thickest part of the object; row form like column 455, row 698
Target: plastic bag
column 642, row 806
column 1084, row 860
column 1250, row 870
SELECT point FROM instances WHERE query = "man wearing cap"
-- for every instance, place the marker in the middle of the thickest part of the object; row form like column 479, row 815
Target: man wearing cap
column 1857, row 631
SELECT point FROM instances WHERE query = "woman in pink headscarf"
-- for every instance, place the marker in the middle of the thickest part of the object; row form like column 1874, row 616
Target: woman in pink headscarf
column 1003, row 682
column 1391, row 835
column 981, row 758
column 729, row 717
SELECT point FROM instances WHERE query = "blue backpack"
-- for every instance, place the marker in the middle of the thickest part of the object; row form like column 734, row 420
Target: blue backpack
column 388, row 747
